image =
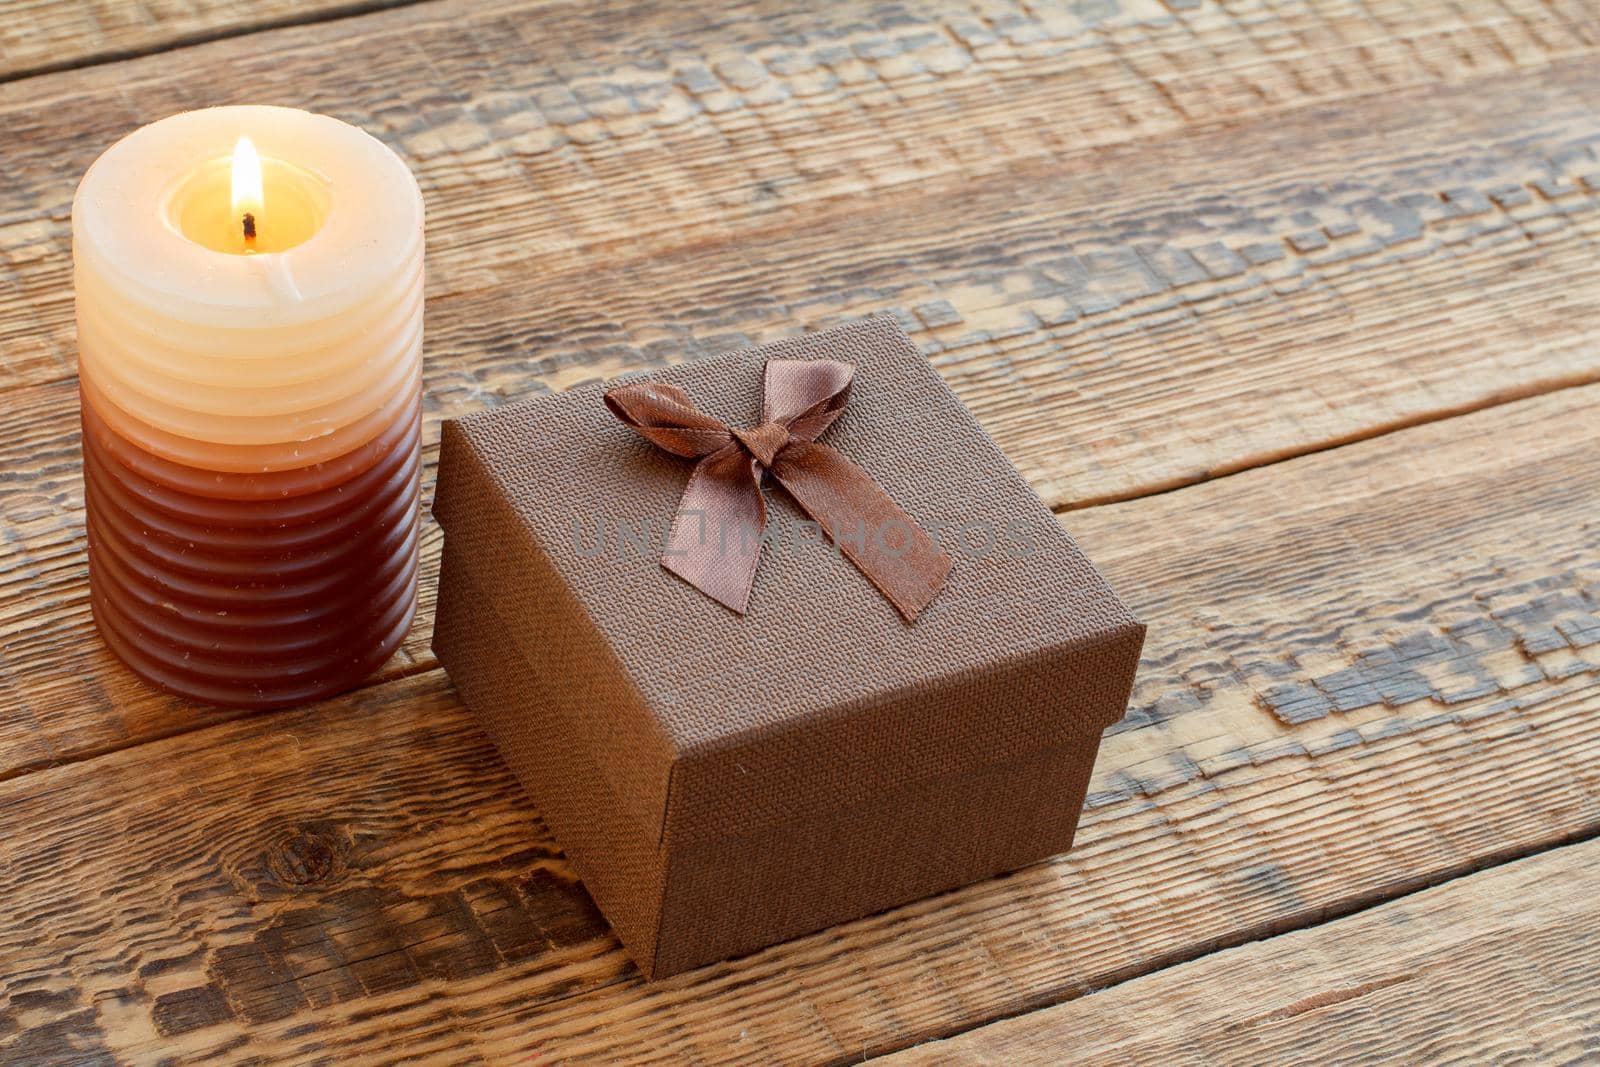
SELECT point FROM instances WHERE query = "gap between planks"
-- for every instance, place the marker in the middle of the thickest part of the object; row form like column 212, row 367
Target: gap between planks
column 220, row 718
column 1244, row 464
column 1470, row 451
column 1250, row 463
column 1475, row 911
column 1377, row 87
column 196, row 38
column 385, row 676
column 1355, row 905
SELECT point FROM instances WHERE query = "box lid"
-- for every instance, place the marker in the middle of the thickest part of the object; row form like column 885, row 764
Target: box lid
column 708, row 724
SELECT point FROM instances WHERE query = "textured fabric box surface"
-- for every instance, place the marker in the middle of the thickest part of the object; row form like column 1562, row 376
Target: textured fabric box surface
column 724, row 782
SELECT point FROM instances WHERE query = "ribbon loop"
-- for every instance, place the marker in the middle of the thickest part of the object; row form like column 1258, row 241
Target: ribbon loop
column 666, row 417
column 806, row 395
column 716, row 535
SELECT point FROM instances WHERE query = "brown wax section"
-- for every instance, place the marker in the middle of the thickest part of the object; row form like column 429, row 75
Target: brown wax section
column 253, row 590
column 688, row 758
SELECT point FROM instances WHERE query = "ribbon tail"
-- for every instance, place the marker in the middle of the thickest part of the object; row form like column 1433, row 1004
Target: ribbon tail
column 884, row 543
column 715, row 540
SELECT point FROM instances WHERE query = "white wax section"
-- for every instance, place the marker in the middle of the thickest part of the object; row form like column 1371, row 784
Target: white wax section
column 186, row 346
column 373, row 228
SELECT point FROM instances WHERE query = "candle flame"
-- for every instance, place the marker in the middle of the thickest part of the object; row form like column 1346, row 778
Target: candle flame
column 247, row 197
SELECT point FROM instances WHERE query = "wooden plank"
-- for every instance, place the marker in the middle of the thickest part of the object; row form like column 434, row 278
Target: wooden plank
column 1496, row 966
column 1369, row 669
column 1100, row 382
column 38, row 36
column 553, row 140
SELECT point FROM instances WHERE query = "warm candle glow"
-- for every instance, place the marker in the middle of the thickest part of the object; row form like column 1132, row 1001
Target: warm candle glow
column 247, row 197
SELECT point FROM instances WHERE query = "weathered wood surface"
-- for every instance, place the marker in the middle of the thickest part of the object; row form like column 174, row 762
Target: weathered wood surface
column 1124, row 317
column 1148, row 243
column 1497, row 966
column 1370, row 669
column 38, row 36
column 567, row 152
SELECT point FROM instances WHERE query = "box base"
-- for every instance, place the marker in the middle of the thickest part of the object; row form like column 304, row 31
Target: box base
column 734, row 896
column 680, row 907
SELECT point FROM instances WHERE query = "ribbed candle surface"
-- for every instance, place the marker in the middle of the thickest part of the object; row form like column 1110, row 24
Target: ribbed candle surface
column 251, row 401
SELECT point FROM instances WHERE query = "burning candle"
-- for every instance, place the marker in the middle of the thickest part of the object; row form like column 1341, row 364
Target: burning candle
column 249, row 307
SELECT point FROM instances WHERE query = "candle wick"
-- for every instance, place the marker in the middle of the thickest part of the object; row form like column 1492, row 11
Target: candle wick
column 249, row 226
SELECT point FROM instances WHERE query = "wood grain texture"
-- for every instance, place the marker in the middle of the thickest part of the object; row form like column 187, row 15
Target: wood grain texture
column 1369, row 669
column 1152, row 314
column 1495, row 966
column 1148, row 243
column 39, row 36
column 611, row 189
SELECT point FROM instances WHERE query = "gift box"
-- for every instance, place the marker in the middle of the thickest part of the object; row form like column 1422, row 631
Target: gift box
column 737, row 742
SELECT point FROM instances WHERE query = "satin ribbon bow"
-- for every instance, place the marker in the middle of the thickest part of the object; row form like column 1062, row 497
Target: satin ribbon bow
column 715, row 540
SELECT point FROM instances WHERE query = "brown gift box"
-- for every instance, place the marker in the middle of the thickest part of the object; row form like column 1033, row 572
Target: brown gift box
column 721, row 782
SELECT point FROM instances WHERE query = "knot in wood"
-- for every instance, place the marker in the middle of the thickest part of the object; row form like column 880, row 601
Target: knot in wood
column 308, row 857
